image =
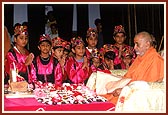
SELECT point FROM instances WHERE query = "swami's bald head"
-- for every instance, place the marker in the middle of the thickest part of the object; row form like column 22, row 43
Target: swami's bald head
column 143, row 41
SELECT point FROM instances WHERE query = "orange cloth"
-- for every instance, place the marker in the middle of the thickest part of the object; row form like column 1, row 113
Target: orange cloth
column 149, row 67
column 110, row 98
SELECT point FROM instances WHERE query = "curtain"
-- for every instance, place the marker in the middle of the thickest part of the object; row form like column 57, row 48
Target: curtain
column 141, row 17
column 150, row 18
column 82, row 20
column 134, row 17
column 64, row 17
column 36, row 21
column 113, row 15
column 8, row 17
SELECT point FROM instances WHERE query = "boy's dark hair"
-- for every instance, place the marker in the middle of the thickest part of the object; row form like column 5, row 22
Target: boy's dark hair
column 25, row 24
column 67, row 50
column 55, row 47
column 44, row 38
column 97, row 21
column 17, row 24
column 44, row 41
column 110, row 55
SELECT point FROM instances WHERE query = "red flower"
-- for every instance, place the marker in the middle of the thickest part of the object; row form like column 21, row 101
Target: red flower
column 76, row 93
column 122, row 99
column 74, row 86
column 54, row 99
column 68, row 88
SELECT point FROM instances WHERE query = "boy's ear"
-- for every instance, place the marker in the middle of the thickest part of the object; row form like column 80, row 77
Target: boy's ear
column 38, row 47
column 15, row 39
column 113, row 37
column 73, row 50
column 52, row 50
column 86, row 39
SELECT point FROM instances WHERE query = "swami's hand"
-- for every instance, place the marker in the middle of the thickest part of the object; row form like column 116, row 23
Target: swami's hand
column 116, row 92
column 116, row 86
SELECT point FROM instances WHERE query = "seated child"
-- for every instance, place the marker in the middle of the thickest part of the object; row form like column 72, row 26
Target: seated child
column 91, row 39
column 57, row 48
column 19, row 58
column 58, row 45
column 126, row 57
column 95, row 60
column 48, row 70
column 119, row 35
column 108, row 63
column 54, row 30
column 77, row 66
column 67, row 49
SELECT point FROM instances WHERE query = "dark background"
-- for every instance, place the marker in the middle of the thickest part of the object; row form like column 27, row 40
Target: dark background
column 134, row 17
